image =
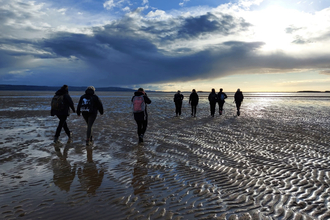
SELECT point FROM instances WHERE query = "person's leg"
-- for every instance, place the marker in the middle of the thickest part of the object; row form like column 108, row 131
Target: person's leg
column 139, row 129
column 176, row 108
column 91, row 120
column 220, row 107
column 194, row 110
column 213, row 108
column 61, row 123
column 180, row 106
column 238, row 106
column 144, row 127
column 66, row 129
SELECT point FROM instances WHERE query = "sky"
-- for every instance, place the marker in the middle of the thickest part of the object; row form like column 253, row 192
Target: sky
column 254, row 45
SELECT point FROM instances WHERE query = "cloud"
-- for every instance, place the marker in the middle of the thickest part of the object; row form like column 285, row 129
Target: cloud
column 325, row 72
column 183, row 2
column 159, row 47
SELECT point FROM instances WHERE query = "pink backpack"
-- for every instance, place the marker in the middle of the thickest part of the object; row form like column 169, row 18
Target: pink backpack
column 138, row 104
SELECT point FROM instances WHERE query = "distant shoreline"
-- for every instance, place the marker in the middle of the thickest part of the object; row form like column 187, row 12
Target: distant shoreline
column 315, row 91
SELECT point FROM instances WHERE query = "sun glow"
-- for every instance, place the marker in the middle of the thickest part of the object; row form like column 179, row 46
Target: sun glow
column 270, row 27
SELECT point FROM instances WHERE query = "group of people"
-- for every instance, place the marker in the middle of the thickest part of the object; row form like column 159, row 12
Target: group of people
column 90, row 104
column 213, row 98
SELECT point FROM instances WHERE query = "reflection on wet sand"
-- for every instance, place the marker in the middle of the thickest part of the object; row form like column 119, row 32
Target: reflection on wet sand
column 271, row 162
column 90, row 177
column 139, row 181
column 64, row 173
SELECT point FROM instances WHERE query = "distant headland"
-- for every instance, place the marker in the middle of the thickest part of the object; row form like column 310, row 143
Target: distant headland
column 55, row 88
column 309, row 91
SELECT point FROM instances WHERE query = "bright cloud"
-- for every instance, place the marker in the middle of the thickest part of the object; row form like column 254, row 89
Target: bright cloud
column 134, row 42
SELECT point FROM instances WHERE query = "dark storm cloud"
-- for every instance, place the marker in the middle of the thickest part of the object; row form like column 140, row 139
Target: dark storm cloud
column 128, row 51
column 195, row 27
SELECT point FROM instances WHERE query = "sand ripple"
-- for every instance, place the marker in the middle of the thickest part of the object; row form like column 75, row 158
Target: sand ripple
column 272, row 162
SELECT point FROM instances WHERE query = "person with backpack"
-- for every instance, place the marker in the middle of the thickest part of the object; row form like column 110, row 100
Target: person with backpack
column 213, row 101
column 221, row 100
column 140, row 101
column 89, row 104
column 60, row 106
column 193, row 101
column 178, row 97
column 238, row 100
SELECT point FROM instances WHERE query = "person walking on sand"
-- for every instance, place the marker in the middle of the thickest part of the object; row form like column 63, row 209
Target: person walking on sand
column 140, row 101
column 221, row 100
column 178, row 97
column 60, row 106
column 89, row 104
column 213, row 101
column 238, row 100
column 193, row 101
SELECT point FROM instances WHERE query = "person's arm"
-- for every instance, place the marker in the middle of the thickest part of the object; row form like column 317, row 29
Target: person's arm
column 70, row 102
column 100, row 105
column 146, row 99
column 79, row 106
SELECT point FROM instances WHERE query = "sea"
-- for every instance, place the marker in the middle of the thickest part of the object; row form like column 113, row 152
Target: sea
column 271, row 162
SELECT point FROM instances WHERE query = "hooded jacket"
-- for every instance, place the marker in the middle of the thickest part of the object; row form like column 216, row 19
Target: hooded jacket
column 97, row 104
column 67, row 101
column 193, row 98
column 213, row 97
column 141, row 116
column 178, row 97
column 239, row 96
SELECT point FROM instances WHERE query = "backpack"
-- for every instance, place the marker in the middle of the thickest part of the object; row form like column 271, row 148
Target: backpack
column 87, row 104
column 222, row 97
column 138, row 104
column 177, row 98
column 57, row 103
column 213, row 97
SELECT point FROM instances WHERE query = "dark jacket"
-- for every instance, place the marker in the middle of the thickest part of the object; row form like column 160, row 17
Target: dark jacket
column 67, row 101
column 178, row 97
column 213, row 97
column 97, row 104
column 219, row 96
column 193, row 98
column 239, row 96
column 141, row 116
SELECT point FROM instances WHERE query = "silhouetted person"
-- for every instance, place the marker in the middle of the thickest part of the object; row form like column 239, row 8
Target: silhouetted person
column 140, row 101
column 178, row 97
column 213, row 101
column 61, row 104
column 193, row 101
column 64, row 174
column 221, row 100
column 89, row 104
column 238, row 100
column 90, row 177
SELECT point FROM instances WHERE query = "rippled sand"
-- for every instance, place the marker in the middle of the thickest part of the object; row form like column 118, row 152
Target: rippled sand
column 272, row 162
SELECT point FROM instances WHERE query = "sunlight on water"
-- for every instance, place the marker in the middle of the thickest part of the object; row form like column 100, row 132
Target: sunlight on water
column 271, row 162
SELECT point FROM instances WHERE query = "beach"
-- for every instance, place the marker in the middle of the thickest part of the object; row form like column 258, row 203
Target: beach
column 271, row 162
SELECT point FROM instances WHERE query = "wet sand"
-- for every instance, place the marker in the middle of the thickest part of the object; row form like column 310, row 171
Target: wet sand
column 271, row 162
